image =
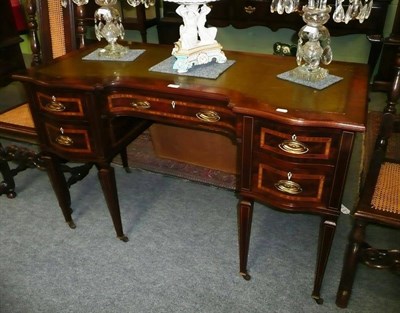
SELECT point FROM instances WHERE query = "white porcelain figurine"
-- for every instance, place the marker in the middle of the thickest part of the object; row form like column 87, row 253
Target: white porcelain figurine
column 197, row 44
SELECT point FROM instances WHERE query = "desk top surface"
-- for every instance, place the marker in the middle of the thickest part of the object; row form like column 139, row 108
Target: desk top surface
column 249, row 86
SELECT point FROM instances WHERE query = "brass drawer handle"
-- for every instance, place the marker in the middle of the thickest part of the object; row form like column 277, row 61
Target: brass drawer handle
column 64, row 140
column 288, row 186
column 208, row 116
column 249, row 9
column 141, row 104
column 293, row 146
column 54, row 105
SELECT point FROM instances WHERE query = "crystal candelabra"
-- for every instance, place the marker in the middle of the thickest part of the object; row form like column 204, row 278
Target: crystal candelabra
column 108, row 24
column 314, row 39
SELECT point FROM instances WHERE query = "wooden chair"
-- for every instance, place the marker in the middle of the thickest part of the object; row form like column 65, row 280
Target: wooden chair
column 16, row 124
column 379, row 201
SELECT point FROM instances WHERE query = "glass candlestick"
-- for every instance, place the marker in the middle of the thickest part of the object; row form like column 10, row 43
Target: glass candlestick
column 146, row 3
column 313, row 46
column 108, row 25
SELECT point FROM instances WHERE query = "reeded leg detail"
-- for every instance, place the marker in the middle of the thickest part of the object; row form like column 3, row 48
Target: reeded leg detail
column 245, row 215
column 108, row 184
column 326, row 235
column 60, row 186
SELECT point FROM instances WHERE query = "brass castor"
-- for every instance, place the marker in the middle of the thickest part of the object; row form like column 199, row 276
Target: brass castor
column 123, row 238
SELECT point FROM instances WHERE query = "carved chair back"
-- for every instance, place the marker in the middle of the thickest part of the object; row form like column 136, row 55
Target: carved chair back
column 53, row 29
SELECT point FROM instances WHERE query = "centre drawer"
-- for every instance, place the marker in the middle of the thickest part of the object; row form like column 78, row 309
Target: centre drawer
column 170, row 110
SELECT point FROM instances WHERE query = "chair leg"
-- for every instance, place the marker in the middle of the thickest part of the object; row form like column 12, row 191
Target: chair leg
column 7, row 186
column 124, row 159
column 351, row 260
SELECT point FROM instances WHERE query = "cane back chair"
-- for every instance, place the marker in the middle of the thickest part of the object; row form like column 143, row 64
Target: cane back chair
column 379, row 201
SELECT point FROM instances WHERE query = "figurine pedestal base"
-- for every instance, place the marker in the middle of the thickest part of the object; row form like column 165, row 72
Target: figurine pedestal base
column 315, row 75
column 113, row 50
column 202, row 54
column 320, row 84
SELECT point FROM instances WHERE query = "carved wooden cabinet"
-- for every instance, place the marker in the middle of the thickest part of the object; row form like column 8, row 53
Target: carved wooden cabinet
column 246, row 13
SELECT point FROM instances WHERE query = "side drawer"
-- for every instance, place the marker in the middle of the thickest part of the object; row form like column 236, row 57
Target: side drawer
column 298, row 143
column 294, row 183
column 68, row 139
column 61, row 103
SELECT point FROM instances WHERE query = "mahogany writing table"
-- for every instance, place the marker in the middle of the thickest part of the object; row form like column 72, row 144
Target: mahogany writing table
column 294, row 142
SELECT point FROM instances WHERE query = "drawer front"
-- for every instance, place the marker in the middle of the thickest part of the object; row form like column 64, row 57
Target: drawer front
column 252, row 10
column 172, row 110
column 70, row 139
column 293, row 183
column 61, row 103
column 298, row 144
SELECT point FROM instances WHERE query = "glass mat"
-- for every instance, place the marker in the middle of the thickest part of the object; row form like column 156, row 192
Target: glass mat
column 210, row 70
column 130, row 56
column 326, row 82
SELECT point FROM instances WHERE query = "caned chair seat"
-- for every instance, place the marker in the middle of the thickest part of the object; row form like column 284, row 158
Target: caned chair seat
column 19, row 115
column 386, row 195
column 17, row 123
